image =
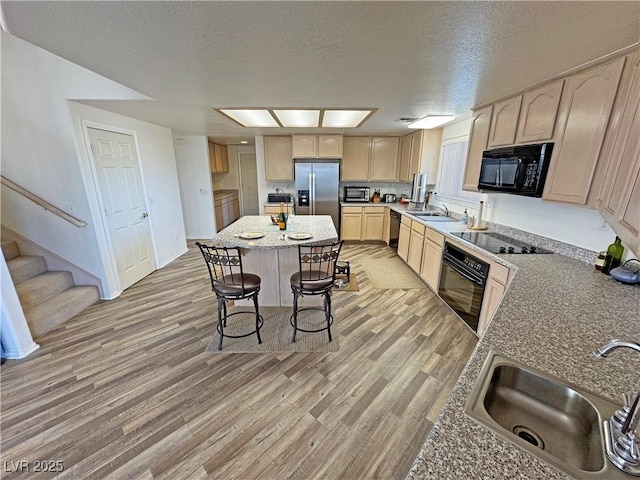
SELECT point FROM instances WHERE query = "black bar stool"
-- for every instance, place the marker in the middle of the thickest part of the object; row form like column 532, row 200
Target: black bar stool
column 316, row 275
column 229, row 282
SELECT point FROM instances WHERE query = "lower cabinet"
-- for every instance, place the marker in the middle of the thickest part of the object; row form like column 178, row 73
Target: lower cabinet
column 493, row 292
column 404, row 238
column 416, row 246
column 432, row 258
column 362, row 223
column 227, row 208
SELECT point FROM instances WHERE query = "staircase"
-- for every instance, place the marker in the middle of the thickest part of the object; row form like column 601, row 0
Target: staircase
column 48, row 298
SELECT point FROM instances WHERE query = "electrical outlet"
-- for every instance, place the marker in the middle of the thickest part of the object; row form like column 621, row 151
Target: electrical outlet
column 603, row 226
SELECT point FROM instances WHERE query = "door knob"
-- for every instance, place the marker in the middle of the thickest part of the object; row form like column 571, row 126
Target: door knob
column 144, row 215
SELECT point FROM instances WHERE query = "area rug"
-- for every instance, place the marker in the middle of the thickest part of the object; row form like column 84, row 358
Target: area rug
column 352, row 286
column 390, row 273
column 276, row 332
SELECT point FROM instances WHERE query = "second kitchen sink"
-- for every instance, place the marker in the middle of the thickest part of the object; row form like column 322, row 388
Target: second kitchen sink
column 554, row 420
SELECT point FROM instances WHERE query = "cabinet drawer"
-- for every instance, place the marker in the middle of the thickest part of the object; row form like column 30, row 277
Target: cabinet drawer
column 499, row 272
column 418, row 227
column 435, row 237
column 406, row 221
column 368, row 210
column 351, row 209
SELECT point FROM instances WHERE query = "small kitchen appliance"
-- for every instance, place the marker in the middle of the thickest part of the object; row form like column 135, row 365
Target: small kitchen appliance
column 356, row 194
column 389, row 198
column 520, row 170
column 419, row 189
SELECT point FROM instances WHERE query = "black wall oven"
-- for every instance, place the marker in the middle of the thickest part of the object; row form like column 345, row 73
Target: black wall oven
column 462, row 281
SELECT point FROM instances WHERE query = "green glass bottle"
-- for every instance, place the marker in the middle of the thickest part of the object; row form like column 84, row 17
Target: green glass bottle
column 613, row 257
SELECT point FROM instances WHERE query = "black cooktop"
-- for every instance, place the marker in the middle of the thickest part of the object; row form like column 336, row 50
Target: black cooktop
column 497, row 243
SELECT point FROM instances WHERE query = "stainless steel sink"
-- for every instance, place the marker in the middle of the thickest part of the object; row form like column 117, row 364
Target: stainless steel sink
column 554, row 420
column 432, row 216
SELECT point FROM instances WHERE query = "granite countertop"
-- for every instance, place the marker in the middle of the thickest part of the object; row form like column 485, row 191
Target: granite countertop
column 319, row 226
column 555, row 314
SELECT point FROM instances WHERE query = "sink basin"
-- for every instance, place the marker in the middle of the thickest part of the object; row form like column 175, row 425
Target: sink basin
column 432, row 216
column 554, row 420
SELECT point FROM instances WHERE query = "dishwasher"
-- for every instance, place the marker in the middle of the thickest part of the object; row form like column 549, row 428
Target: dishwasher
column 394, row 228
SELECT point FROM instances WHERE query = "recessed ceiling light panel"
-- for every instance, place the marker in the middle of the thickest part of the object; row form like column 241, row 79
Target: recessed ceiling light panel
column 251, row 118
column 344, row 118
column 431, row 121
column 298, row 118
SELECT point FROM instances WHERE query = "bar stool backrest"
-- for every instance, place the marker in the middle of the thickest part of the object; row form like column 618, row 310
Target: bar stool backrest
column 224, row 265
column 319, row 258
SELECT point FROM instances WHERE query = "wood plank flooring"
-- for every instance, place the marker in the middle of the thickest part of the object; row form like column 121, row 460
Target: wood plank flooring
column 125, row 390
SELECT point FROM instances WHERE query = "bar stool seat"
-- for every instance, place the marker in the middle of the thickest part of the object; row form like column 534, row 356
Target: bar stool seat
column 315, row 276
column 229, row 282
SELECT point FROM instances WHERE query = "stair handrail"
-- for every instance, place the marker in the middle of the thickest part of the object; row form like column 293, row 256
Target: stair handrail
column 42, row 202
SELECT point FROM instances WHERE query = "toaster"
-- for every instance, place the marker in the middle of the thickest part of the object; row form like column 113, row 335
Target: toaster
column 389, row 198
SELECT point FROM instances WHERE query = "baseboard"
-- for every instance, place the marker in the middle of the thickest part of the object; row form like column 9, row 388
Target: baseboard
column 54, row 261
column 167, row 262
column 18, row 354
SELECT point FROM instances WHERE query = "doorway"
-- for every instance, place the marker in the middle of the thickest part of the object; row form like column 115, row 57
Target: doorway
column 249, row 183
column 123, row 200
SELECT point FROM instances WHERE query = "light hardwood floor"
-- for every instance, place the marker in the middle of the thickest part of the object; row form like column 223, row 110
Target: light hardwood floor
column 125, row 390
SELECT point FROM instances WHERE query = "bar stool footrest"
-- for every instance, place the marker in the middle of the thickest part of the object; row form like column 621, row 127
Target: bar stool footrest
column 326, row 327
column 253, row 332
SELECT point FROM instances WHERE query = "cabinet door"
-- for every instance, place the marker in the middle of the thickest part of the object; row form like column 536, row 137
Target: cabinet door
column 404, row 168
column 618, row 200
column 224, row 159
column 372, row 226
column 305, row 146
column 416, row 154
column 212, row 158
column 478, row 137
column 236, row 208
column 538, row 113
column 330, row 146
column 278, row 162
column 431, row 264
column 403, row 241
column 493, row 293
column 355, row 163
column 351, row 226
column 584, row 115
column 429, row 156
column 384, row 158
column 416, row 246
column 504, row 122
column 219, row 219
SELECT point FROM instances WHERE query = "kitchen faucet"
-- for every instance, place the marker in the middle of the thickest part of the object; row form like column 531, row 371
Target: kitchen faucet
column 621, row 442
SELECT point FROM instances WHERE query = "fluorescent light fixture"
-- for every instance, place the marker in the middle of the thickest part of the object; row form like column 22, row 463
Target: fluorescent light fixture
column 244, row 142
column 251, row 118
column 344, row 118
column 298, row 118
column 431, row 121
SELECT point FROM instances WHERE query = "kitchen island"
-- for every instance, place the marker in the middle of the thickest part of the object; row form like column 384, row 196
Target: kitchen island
column 273, row 255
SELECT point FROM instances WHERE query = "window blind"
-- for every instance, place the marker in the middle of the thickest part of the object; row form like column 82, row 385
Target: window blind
column 452, row 162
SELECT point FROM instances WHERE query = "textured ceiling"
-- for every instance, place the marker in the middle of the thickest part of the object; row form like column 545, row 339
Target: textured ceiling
column 408, row 59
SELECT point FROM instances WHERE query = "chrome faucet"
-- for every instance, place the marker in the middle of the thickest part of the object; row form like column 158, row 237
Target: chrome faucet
column 621, row 442
column 446, row 210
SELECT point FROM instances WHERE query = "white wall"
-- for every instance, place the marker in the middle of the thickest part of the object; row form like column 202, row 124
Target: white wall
column 44, row 150
column 192, row 159
column 570, row 224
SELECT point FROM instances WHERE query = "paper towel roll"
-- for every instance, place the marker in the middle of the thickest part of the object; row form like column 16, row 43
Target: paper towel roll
column 479, row 216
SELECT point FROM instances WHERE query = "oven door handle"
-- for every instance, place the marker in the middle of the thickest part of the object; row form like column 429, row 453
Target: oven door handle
column 466, row 275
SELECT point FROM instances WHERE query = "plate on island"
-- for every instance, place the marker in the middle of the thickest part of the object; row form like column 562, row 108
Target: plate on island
column 251, row 235
column 299, row 236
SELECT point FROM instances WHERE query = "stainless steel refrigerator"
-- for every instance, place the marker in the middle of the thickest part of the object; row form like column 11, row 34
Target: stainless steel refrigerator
column 317, row 188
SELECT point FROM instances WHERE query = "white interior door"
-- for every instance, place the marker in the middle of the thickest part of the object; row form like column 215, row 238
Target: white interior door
column 249, row 184
column 123, row 199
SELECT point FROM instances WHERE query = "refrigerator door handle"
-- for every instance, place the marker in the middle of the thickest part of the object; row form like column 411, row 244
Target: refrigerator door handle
column 312, row 184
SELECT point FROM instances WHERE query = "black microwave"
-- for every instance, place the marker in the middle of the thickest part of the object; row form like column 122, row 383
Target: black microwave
column 521, row 170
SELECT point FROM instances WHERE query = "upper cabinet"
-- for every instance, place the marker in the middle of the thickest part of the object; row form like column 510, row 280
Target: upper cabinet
column 538, row 113
column 218, row 158
column 478, row 137
column 619, row 198
column 355, row 162
column 585, row 110
column 316, row 146
column 404, row 163
column 278, row 161
column 420, row 153
column 504, row 122
column 384, row 158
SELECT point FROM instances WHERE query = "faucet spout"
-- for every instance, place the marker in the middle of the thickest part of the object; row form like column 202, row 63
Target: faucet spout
column 604, row 351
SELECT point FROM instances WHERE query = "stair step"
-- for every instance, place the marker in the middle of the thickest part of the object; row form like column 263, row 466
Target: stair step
column 10, row 249
column 25, row 267
column 42, row 287
column 47, row 315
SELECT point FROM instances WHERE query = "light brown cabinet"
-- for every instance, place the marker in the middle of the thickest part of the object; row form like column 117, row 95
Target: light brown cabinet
column 538, row 113
column 585, row 110
column 478, row 138
column 432, row 258
column 351, row 223
column 420, row 153
column 278, row 161
column 404, row 238
column 218, row 158
column 317, row 146
column 363, row 223
column 275, row 209
column 416, row 246
column 404, row 163
column 384, row 158
column 227, row 208
column 504, row 122
column 493, row 293
column 619, row 198
column 355, row 163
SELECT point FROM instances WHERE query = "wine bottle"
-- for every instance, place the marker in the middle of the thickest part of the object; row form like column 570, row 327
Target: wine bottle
column 613, row 256
column 282, row 218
